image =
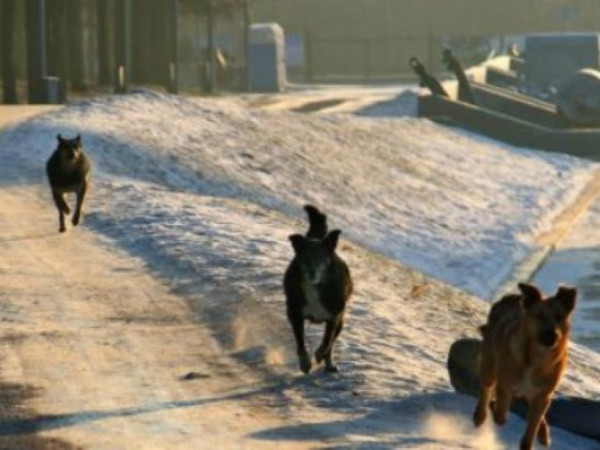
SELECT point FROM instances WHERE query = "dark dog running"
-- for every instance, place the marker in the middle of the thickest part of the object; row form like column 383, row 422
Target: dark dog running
column 68, row 170
column 317, row 285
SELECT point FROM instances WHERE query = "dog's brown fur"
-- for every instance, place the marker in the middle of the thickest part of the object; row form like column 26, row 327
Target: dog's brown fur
column 524, row 354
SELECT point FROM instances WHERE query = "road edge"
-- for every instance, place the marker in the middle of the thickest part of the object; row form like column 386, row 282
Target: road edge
column 547, row 242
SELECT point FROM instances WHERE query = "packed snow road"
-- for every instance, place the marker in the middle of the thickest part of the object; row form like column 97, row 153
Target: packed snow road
column 94, row 347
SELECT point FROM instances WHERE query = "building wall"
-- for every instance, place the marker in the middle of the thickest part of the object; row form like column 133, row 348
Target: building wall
column 378, row 36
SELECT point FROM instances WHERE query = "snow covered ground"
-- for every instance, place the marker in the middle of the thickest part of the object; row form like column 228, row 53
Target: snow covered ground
column 575, row 262
column 205, row 192
column 461, row 208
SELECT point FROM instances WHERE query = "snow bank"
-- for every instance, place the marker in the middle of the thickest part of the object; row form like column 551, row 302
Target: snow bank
column 458, row 207
column 227, row 257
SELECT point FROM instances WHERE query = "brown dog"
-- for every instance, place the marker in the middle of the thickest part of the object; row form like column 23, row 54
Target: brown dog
column 524, row 354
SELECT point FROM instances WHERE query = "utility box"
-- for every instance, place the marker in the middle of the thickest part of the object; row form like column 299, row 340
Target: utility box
column 551, row 58
column 52, row 91
column 266, row 58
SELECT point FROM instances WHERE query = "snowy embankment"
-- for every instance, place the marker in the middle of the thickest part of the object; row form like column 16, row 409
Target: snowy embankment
column 455, row 206
column 203, row 191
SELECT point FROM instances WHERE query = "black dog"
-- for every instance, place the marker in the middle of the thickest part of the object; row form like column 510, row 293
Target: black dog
column 317, row 285
column 68, row 170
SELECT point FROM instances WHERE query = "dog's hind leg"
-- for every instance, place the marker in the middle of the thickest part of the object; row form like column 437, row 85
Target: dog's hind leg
column 80, row 199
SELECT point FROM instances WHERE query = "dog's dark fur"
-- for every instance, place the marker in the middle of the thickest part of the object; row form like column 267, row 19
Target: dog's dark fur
column 317, row 285
column 524, row 354
column 68, row 170
column 426, row 79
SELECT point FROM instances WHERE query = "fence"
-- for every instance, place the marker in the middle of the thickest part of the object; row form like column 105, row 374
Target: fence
column 382, row 59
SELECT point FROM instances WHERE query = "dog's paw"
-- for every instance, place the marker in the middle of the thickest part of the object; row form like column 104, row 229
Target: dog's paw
column 320, row 355
column 543, row 434
column 525, row 445
column 331, row 368
column 479, row 415
column 500, row 417
column 62, row 229
column 75, row 220
column 305, row 363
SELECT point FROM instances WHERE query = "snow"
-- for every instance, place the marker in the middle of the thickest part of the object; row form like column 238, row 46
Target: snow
column 458, row 207
column 205, row 192
column 575, row 262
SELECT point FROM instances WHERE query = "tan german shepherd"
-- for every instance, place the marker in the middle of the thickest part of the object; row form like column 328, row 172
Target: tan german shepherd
column 524, row 354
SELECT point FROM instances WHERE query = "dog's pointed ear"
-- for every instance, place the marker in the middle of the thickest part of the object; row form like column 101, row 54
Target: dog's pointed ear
column 78, row 139
column 298, row 242
column 331, row 240
column 566, row 296
column 531, row 294
column 59, row 137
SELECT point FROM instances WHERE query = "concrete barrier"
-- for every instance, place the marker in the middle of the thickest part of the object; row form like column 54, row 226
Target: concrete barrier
column 583, row 143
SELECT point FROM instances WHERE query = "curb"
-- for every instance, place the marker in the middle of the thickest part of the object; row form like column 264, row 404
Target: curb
column 547, row 242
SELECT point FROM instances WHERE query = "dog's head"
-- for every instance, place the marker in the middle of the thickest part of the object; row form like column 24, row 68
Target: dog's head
column 70, row 149
column 548, row 320
column 315, row 256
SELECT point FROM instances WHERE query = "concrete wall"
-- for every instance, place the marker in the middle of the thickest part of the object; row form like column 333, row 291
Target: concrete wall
column 378, row 36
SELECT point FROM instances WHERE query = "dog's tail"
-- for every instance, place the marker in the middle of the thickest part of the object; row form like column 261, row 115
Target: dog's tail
column 317, row 223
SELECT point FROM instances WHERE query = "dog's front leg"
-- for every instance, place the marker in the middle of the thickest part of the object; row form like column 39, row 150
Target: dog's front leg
column 80, row 199
column 62, row 207
column 488, row 383
column 332, row 331
column 297, row 322
column 537, row 410
column 543, row 434
column 502, row 404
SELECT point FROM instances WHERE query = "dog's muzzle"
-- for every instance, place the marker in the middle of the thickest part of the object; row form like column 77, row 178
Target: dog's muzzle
column 548, row 337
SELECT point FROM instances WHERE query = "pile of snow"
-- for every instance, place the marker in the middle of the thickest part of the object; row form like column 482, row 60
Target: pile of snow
column 206, row 192
column 406, row 103
column 459, row 207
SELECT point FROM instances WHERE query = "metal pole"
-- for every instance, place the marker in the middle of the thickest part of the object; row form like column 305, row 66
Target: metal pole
column 210, row 18
column 174, row 59
column 246, row 45
column 105, row 50
column 35, row 24
column 76, row 37
column 308, row 56
column 9, row 54
column 123, row 42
